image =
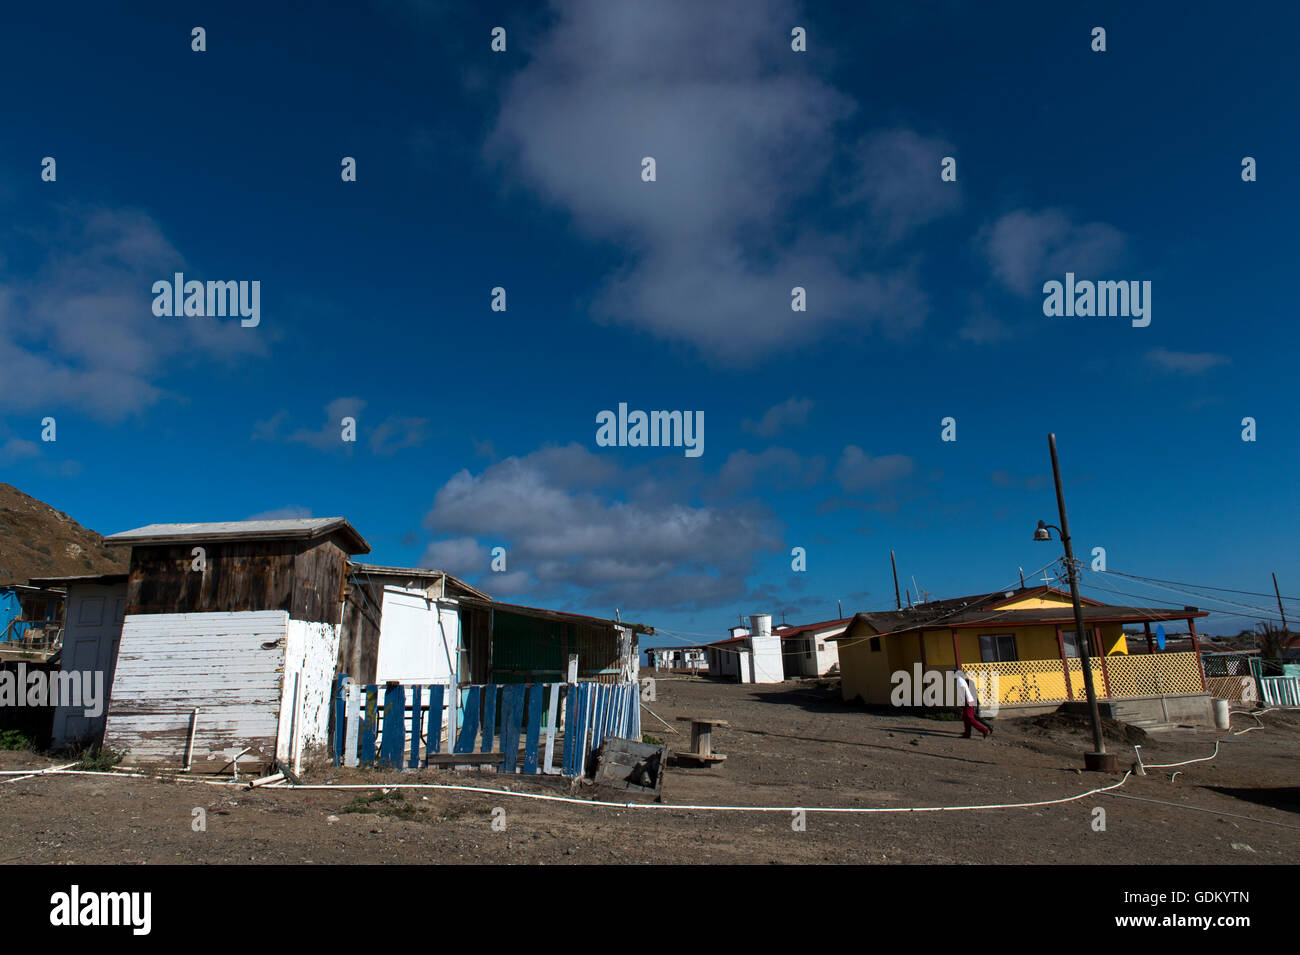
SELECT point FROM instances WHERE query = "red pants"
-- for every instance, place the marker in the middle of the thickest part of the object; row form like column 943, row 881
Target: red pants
column 969, row 720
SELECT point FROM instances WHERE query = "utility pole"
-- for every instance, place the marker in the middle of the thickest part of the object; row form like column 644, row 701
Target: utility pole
column 898, row 601
column 1278, row 594
column 1099, row 759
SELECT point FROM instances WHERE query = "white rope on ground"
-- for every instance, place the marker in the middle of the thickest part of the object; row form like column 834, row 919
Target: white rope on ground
column 1204, row 759
column 700, row 808
column 29, row 773
column 1217, row 812
column 1199, row 759
column 1254, row 715
column 617, row 805
column 62, row 771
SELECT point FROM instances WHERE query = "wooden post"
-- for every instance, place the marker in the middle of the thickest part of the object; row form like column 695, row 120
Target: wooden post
column 920, row 638
column 1146, row 625
column 573, row 668
column 956, row 651
column 1196, row 645
column 1065, row 663
column 1101, row 655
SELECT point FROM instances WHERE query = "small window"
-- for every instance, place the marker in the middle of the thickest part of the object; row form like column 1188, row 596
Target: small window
column 997, row 647
column 875, row 644
column 1070, row 640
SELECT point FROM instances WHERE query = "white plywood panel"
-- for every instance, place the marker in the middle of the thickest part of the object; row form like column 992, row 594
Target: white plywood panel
column 228, row 665
column 412, row 647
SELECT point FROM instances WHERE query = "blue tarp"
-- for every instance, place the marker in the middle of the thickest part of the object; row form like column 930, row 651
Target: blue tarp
column 11, row 609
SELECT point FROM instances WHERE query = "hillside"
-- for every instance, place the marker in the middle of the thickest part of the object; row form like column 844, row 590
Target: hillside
column 38, row 541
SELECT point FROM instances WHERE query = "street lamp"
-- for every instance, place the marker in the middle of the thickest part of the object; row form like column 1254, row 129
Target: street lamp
column 1099, row 760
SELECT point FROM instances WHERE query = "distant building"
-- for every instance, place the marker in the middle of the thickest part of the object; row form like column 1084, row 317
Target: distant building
column 678, row 658
column 1026, row 639
column 809, row 649
column 752, row 655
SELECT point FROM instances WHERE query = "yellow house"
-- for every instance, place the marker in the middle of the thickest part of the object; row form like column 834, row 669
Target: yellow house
column 1021, row 641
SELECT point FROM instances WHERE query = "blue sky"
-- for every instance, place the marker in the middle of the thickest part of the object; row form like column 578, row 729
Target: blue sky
column 522, row 169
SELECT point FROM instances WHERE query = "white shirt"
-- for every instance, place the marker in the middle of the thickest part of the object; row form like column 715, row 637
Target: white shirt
column 964, row 695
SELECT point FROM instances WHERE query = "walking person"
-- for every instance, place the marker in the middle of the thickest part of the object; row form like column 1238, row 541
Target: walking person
column 968, row 701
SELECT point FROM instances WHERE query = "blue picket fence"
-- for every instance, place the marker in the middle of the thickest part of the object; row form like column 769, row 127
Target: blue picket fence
column 530, row 725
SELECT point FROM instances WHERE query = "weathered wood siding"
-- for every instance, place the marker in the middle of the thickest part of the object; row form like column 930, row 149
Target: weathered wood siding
column 228, row 665
column 304, row 579
column 359, row 646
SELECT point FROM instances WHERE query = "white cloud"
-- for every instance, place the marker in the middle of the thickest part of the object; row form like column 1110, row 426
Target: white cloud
column 280, row 514
column 397, row 433
column 1185, row 363
column 858, row 471
column 740, row 132
column 791, row 413
column 18, row 449
column 1027, row 248
column 780, row 468
column 570, row 527
column 79, row 330
column 461, row 556
column 898, row 178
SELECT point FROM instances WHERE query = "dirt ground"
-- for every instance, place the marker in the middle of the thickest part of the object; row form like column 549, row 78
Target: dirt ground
column 789, row 745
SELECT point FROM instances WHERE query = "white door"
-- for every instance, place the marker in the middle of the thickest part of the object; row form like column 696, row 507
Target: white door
column 92, row 631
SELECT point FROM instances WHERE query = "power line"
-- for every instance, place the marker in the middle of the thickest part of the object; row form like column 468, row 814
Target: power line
column 1157, row 604
column 1250, row 593
column 1200, row 596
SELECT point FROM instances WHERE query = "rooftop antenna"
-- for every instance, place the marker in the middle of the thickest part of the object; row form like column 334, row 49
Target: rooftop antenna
column 918, row 589
column 898, row 601
column 1022, row 578
column 909, row 599
column 839, row 610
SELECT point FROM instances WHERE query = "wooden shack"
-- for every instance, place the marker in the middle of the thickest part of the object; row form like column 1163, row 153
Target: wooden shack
column 229, row 642
column 401, row 624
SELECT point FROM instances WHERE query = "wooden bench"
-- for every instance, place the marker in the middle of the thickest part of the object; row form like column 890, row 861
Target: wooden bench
column 463, row 759
column 702, row 741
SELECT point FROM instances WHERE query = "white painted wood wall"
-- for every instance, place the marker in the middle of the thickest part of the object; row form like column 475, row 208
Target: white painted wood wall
column 230, row 666
column 311, row 652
